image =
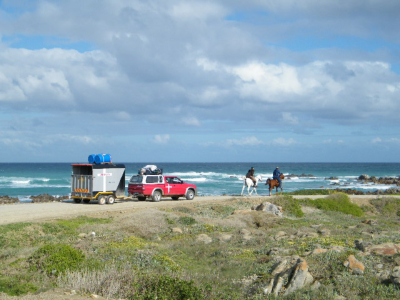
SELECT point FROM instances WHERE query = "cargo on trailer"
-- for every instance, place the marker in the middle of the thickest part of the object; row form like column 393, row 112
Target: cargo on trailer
column 102, row 182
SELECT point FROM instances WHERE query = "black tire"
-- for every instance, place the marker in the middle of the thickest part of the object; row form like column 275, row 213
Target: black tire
column 86, row 201
column 102, row 199
column 76, row 200
column 175, row 197
column 156, row 196
column 190, row 195
column 111, row 199
column 142, row 198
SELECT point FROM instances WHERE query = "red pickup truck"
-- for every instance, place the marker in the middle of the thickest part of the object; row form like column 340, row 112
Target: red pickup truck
column 158, row 186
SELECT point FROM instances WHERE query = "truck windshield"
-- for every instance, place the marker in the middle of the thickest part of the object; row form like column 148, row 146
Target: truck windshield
column 136, row 179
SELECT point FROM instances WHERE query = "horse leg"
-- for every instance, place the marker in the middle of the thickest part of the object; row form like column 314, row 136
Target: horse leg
column 243, row 189
column 255, row 190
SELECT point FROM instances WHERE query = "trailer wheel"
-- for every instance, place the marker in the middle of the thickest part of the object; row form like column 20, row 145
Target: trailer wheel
column 77, row 200
column 142, row 198
column 111, row 199
column 86, row 201
column 189, row 195
column 102, row 199
column 175, row 197
column 156, row 196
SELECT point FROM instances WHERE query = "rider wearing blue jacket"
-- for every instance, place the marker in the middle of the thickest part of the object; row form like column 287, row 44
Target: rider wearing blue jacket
column 276, row 175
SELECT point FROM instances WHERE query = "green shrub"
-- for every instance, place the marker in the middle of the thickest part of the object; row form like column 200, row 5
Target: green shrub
column 15, row 287
column 165, row 287
column 187, row 220
column 387, row 206
column 56, row 259
column 223, row 210
column 311, row 192
column 290, row 205
column 339, row 202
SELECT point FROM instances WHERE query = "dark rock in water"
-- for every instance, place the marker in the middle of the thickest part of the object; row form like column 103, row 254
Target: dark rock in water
column 47, row 198
column 8, row 200
column 380, row 180
column 364, row 177
column 294, row 175
column 331, row 178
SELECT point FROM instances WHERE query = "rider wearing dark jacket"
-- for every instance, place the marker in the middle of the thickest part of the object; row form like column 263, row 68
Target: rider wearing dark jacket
column 277, row 175
column 250, row 174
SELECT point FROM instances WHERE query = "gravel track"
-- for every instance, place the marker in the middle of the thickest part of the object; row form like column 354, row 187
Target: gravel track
column 35, row 212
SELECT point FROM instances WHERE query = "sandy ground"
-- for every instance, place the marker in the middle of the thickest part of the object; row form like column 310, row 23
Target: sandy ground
column 34, row 212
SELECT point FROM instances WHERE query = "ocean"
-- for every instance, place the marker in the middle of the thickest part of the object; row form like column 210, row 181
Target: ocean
column 23, row 180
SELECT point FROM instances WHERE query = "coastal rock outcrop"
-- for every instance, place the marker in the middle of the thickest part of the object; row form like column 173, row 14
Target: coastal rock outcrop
column 8, row 200
column 380, row 180
column 47, row 198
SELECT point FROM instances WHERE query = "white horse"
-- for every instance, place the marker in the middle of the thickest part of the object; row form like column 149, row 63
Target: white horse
column 249, row 183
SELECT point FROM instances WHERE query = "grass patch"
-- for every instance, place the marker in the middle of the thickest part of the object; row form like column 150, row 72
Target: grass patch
column 290, row 205
column 56, row 259
column 387, row 206
column 338, row 202
column 15, row 286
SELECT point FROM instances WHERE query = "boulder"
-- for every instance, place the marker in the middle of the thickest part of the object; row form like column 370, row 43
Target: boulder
column 290, row 274
column 176, row 230
column 385, row 249
column 270, row 208
column 355, row 266
column 204, row 238
column 301, row 277
column 395, row 276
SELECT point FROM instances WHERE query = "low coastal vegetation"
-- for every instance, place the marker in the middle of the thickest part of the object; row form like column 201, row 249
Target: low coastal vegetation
column 243, row 248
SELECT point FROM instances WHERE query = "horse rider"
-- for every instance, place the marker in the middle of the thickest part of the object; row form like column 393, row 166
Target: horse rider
column 277, row 175
column 250, row 174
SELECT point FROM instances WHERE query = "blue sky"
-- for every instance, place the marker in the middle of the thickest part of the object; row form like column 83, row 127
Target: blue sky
column 200, row 81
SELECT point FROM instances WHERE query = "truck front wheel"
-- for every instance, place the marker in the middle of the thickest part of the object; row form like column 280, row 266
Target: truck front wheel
column 156, row 196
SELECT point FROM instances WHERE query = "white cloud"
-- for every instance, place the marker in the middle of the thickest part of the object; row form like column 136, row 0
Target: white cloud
column 289, row 119
column 161, row 138
column 283, row 141
column 246, row 141
column 191, row 121
column 210, row 66
column 377, row 140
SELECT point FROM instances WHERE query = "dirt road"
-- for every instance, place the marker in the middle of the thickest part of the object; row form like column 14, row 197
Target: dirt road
column 31, row 212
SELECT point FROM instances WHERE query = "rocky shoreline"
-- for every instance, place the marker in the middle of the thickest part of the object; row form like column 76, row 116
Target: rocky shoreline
column 35, row 199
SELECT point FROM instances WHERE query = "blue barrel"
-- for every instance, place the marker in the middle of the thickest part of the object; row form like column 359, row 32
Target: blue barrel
column 102, row 158
column 91, row 158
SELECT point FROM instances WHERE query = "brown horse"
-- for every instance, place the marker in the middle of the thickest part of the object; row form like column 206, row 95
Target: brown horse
column 274, row 183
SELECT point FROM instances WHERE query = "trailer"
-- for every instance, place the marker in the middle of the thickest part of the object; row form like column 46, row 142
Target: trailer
column 104, row 182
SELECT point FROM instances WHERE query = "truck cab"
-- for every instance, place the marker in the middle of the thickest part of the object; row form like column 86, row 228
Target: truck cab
column 158, row 186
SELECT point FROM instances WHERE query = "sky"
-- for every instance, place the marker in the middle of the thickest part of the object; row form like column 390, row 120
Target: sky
column 200, row 81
